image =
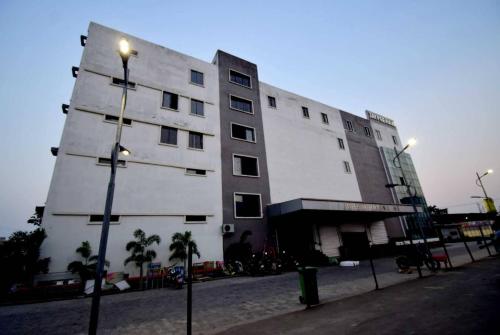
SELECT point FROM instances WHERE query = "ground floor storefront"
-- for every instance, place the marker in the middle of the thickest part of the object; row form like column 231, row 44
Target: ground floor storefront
column 335, row 228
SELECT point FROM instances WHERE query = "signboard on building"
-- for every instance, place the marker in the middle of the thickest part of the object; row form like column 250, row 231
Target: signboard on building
column 380, row 118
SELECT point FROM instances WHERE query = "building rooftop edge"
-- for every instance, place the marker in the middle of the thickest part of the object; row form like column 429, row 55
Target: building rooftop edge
column 212, row 63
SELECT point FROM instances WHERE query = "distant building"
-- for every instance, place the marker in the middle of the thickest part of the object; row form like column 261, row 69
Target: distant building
column 217, row 152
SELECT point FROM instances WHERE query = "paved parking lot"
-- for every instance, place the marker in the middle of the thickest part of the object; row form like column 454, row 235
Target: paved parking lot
column 217, row 305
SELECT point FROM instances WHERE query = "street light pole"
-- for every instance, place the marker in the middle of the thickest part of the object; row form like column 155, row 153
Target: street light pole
column 96, row 296
column 408, row 190
column 480, row 184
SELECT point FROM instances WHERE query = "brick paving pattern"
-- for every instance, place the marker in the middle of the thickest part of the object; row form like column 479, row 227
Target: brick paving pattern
column 217, row 305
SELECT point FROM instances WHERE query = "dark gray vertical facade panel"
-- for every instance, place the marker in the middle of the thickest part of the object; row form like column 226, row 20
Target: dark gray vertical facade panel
column 369, row 167
column 229, row 146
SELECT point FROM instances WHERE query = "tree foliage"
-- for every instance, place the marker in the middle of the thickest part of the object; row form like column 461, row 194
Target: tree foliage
column 240, row 251
column 179, row 247
column 87, row 268
column 139, row 253
column 20, row 258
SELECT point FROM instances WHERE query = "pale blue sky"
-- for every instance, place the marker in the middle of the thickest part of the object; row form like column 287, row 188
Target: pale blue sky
column 432, row 66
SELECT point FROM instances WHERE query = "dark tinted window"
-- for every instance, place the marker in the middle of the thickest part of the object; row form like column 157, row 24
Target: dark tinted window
column 368, row 132
column 100, row 218
column 341, row 144
column 196, row 218
column 113, row 118
column 305, row 112
column 197, row 107
column 107, row 161
column 247, row 205
column 168, row 135
column 242, row 132
column 272, row 101
column 245, row 166
column 196, row 77
column 241, row 104
column 121, row 82
column 349, row 125
column 324, row 118
column 240, row 78
column 195, row 140
column 170, row 100
column 196, row 172
column 394, row 139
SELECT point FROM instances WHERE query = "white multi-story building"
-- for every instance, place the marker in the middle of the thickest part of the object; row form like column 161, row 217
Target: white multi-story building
column 212, row 147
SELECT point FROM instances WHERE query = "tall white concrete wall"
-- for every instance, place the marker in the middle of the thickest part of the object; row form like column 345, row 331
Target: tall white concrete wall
column 153, row 192
column 304, row 159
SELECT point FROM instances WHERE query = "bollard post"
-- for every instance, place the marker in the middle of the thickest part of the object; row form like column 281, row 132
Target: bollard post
column 189, row 288
column 440, row 234
column 465, row 243
column 484, row 240
column 372, row 266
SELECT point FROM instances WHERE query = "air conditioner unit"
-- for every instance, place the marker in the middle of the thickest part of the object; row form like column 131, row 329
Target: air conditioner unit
column 227, row 228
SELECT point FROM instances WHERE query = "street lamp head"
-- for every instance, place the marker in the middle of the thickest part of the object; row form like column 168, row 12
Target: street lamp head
column 124, row 151
column 124, row 46
column 490, row 171
column 412, row 142
column 124, row 50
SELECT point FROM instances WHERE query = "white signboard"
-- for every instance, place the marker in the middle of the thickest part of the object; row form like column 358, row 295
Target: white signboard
column 380, row 118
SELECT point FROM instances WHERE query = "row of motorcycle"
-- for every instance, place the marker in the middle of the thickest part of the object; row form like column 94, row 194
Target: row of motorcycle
column 262, row 264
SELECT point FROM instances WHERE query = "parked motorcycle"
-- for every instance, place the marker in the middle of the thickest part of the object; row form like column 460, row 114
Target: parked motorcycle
column 175, row 276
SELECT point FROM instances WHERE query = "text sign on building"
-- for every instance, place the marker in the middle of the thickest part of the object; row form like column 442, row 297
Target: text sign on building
column 380, row 118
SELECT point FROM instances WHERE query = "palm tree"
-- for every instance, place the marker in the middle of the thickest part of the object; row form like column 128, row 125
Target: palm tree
column 179, row 247
column 139, row 253
column 86, row 269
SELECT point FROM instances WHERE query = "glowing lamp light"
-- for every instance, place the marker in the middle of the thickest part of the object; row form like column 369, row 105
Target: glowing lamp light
column 412, row 142
column 124, row 46
column 489, row 171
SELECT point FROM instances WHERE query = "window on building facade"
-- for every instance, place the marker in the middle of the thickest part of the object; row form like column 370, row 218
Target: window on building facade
column 247, row 205
column 195, row 219
column 245, row 166
column 240, row 78
column 195, row 140
column 395, row 140
column 341, row 143
column 168, row 135
column 114, row 119
column 197, row 107
column 379, row 135
column 368, row 132
column 349, row 125
column 242, row 132
column 196, row 77
column 196, row 172
column 402, row 181
column 121, row 82
column 347, row 167
column 107, row 161
column 271, row 101
column 324, row 118
column 240, row 104
column 170, row 100
column 98, row 218
column 305, row 112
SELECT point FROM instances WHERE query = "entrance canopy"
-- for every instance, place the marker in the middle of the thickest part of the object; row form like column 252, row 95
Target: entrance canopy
column 338, row 209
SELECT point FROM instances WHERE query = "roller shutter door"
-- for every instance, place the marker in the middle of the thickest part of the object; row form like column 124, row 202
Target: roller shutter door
column 330, row 241
column 378, row 233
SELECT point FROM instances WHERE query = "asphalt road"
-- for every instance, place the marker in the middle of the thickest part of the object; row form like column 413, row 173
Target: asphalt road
column 462, row 301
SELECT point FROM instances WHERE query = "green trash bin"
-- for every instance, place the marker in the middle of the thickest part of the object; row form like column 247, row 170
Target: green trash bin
column 308, row 285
